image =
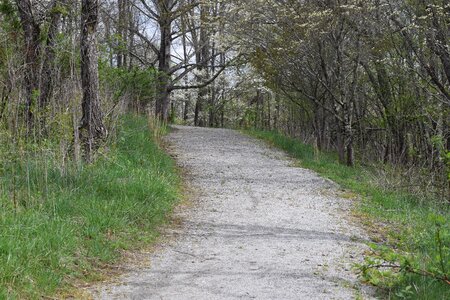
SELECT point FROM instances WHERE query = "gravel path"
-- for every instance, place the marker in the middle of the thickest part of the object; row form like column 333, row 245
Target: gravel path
column 259, row 229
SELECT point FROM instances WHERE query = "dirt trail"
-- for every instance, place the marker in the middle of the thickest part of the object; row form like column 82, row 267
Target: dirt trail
column 260, row 229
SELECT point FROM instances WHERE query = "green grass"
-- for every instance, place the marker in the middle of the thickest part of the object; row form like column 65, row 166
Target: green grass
column 410, row 225
column 60, row 227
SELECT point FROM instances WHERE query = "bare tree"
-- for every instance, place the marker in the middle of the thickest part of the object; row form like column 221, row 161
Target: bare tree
column 168, row 15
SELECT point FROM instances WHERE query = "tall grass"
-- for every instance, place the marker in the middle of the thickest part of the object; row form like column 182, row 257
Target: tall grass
column 412, row 235
column 61, row 225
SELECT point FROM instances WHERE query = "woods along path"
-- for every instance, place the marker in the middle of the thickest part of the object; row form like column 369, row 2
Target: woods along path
column 258, row 228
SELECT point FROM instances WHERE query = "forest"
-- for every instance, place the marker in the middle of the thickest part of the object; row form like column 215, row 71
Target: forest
column 364, row 83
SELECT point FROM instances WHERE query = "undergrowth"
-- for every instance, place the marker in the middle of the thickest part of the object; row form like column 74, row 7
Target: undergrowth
column 411, row 250
column 58, row 226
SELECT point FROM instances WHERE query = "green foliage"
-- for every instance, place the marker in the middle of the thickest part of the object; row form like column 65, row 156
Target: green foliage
column 59, row 224
column 401, row 271
column 447, row 159
column 412, row 259
column 8, row 12
column 60, row 9
column 138, row 84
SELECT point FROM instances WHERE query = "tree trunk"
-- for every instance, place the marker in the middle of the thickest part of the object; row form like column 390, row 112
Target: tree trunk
column 47, row 72
column 92, row 129
column 131, row 24
column 32, row 53
column 341, row 148
column 122, row 33
column 212, row 96
column 185, row 110
column 198, row 109
column 202, row 60
column 163, row 97
column 349, row 145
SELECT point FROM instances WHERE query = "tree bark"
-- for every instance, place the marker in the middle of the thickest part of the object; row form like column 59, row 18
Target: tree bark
column 47, row 72
column 32, row 53
column 202, row 60
column 122, row 29
column 164, row 56
column 92, row 129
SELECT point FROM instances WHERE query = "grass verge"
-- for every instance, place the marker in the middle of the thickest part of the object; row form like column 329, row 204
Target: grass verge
column 411, row 252
column 60, row 226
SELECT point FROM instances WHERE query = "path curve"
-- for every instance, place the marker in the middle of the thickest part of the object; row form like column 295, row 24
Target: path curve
column 260, row 229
